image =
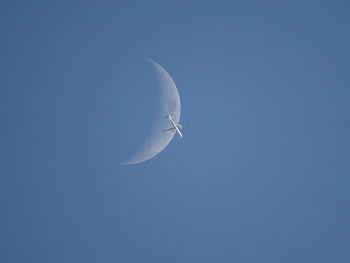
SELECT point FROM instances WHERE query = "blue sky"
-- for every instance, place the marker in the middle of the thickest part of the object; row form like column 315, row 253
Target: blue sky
column 261, row 175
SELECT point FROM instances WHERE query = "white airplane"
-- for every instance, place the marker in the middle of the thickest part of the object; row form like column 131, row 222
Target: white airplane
column 175, row 128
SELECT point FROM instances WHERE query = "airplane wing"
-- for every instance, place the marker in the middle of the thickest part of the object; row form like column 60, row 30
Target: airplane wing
column 170, row 129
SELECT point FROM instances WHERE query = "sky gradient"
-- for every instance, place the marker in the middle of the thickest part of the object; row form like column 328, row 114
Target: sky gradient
column 261, row 174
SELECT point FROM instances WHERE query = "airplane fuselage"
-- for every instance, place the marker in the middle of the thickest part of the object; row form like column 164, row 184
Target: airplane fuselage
column 175, row 126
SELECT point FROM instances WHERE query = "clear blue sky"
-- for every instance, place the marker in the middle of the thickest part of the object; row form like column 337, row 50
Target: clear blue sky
column 261, row 175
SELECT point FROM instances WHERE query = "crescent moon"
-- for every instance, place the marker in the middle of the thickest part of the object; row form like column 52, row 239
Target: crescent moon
column 169, row 104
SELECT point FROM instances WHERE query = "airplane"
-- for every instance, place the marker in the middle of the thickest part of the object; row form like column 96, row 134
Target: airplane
column 176, row 127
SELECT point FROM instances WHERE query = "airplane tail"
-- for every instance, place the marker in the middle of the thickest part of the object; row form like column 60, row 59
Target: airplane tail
column 169, row 115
